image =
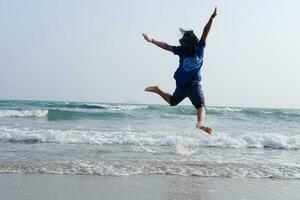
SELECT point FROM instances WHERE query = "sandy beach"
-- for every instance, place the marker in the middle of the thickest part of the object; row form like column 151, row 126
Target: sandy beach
column 67, row 187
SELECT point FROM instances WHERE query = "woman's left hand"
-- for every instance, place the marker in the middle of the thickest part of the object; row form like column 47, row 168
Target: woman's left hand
column 215, row 13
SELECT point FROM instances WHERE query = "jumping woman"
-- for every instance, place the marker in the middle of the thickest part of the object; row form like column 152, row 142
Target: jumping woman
column 188, row 74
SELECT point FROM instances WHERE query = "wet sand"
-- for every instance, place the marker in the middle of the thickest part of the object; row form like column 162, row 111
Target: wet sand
column 73, row 187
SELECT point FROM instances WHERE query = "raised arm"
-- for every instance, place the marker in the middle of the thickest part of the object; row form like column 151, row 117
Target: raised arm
column 208, row 25
column 162, row 45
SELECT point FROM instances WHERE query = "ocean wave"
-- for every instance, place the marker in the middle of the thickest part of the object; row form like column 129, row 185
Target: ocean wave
column 196, row 168
column 220, row 110
column 109, row 107
column 69, row 111
column 74, row 111
column 255, row 113
column 54, row 115
column 118, row 107
column 23, row 113
column 271, row 113
column 57, row 104
column 58, row 114
column 150, row 139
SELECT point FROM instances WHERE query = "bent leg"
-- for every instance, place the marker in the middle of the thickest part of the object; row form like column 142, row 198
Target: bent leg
column 172, row 100
column 155, row 89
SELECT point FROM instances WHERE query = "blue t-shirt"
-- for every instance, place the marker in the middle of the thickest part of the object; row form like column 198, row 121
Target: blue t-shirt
column 189, row 66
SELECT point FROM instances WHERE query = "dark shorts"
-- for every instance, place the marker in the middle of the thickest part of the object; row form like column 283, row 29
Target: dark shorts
column 193, row 91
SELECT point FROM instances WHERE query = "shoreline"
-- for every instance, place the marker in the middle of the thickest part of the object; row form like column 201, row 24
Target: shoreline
column 59, row 186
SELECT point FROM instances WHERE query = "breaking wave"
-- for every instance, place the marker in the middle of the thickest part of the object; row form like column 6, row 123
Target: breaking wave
column 23, row 113
column 146, row 138
column 97, row 111
column 196, row 168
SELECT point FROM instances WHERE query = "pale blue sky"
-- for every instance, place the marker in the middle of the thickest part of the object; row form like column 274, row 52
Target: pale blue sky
column 94, row 51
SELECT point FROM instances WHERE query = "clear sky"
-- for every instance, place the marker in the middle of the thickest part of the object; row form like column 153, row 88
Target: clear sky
column 93, row 50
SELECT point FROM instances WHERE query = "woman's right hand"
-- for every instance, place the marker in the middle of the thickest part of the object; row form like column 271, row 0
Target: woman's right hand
column 147, row 38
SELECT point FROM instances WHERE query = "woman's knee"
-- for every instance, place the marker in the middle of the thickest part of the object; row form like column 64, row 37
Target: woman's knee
column 174, row 102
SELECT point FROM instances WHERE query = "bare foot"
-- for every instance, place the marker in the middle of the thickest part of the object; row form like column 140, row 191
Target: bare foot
column 151, row 89
column 205, row 128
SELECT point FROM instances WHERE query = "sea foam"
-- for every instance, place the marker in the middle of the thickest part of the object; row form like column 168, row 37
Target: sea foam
column 147, row 138
column 23, row 113
column 181, row 168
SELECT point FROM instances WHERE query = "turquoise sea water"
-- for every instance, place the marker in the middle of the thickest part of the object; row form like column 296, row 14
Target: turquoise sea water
column 129, row 139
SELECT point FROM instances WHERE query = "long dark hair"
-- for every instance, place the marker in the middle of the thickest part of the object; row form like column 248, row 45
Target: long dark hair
column 188, row 41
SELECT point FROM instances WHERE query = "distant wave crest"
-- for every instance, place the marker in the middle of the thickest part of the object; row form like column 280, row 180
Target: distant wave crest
column 110, row 107
column 70, row 111
column 23, row 113
column 81, row 112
